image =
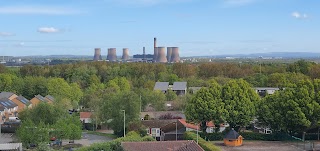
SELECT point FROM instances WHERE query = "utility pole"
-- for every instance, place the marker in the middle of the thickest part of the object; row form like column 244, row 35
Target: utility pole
column 197, row 134
column 177, row 130
column 140, row 104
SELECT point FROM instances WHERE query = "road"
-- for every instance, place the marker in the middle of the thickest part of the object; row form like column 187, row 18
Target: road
column 88, row 139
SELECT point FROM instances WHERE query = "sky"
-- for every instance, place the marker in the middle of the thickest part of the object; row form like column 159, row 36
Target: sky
column 197, row 27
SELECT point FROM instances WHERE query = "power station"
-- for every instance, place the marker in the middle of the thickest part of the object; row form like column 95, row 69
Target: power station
column 112, row 54
column 125, row 54
column 97, row 54
column 160, row 55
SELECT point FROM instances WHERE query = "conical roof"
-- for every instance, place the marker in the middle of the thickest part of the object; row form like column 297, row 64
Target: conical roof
column 232, row 134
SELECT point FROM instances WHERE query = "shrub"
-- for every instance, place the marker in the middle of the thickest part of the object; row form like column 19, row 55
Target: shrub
column 249, row 136
column 207, row 146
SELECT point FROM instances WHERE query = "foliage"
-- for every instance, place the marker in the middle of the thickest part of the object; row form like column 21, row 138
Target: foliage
column 171, row 95
column 206, row 106
column 113, row 107
column 239, row 99
column 292, row 110
column 207, row 146
column 168, row 116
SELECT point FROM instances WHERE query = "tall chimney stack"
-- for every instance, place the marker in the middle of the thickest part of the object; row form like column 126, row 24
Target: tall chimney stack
column 144, row 53
column 161, row 55
column 175, row 57
column 112, row 54
column 125, row 54
column 97, row 54
column 155, row 51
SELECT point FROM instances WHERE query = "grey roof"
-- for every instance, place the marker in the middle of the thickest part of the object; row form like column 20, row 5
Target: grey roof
column 266, row 88
column 7, row 103
column 179, row 86
column 232, row 134
column 6, row 94
column 41, row 98
column 163, row 86
column 51, row 98
column 157, row 123
column 23, row 99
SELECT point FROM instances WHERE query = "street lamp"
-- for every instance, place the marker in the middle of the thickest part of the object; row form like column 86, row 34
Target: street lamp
column 197, row 133
column 124, row 123
column 177, row 130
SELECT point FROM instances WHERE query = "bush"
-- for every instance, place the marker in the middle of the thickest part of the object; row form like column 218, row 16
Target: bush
column 207, row 146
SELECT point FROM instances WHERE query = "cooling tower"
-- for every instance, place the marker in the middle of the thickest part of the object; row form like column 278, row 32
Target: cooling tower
column 125, row 54
column 97, row 54
column 161, row 55
column 175, row 55
column 155, row 53
column 112, row 54
column 169, row 53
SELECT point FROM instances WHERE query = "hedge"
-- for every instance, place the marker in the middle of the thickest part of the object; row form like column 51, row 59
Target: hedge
column 115, row 145
column 250, row 136
column 207, row 146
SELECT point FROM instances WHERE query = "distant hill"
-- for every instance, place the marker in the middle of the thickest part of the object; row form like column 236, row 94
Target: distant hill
column 272, row 55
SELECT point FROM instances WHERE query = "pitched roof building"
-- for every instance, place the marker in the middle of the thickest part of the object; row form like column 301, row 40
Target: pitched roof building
column 22, row 103
column 8, row 95
column 162, row 86
column 187, row 145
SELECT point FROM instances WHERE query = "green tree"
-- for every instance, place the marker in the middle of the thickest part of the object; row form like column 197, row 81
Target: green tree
column 206, row 106
column 239, row 99
column 113, row 106
column 291, row 110
column 171, row 95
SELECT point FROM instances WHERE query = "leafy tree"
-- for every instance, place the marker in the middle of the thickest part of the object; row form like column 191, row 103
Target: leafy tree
column 34, row 86
column 239, row 99
column 113, row 106
column 171, row 95
column 291, row 110
column 206, row 106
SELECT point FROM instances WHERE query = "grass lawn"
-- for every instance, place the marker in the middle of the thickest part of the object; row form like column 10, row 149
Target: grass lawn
column 102, row 134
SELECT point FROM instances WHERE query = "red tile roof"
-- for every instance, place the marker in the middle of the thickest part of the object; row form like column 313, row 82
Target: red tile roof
column 187, row 145
column 188, row 125
column 85, row 114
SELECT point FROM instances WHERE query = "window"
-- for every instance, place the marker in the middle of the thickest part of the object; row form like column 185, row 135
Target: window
column 153, row 132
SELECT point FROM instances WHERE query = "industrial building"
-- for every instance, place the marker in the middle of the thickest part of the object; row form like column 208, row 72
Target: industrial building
column 112, row 54
column 125, row 54
column 97, row 54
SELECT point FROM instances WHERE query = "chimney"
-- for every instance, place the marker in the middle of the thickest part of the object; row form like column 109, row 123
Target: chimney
column 161, row 55
column 155, row 51
column 175, row 55
column 112, row 54
column 125, row 54
column 97, row 54
column 144, row 53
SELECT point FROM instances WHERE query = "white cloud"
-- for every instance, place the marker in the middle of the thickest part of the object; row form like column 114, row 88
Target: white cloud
column 238, row 2
column 37, row 10
column 299, row 15
column 6, row 34
column 48, row 30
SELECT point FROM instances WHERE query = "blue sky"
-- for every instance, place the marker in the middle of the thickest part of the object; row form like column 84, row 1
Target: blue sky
column 198, row 27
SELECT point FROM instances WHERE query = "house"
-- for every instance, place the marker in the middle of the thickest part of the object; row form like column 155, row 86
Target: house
column 154, row 127
column 50, row 99
column 263, row 91
column 8, row 95
column 10, row 107
column 232, row 138
column 22, row 103
column 210, row 126
column 85, row 117
column 180, row 88
column 37, row 99
column 161, row 86
column 186, row 145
